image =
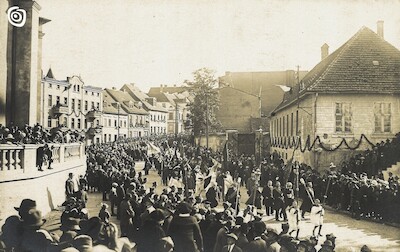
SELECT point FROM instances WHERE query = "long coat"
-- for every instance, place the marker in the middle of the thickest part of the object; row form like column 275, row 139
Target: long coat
column 186, row 234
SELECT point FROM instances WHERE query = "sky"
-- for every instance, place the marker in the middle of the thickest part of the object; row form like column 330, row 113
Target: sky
column 152, row 42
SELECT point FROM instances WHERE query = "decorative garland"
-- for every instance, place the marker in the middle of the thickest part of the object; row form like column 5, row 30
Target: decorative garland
column 286, row 143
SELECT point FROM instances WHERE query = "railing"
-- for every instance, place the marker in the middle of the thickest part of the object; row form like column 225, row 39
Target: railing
column 17, row 160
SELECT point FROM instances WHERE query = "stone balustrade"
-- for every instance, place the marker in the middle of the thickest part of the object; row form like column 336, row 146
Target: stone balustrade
column 17, row 161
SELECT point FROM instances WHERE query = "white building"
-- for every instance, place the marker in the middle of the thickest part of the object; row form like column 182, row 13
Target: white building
column 157, row 113
column 72, row 104
column 115, row 120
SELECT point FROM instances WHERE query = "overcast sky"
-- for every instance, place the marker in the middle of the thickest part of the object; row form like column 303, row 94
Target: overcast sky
column 152, row 42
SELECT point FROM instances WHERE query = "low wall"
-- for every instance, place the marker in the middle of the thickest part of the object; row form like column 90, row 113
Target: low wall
column 20, row 179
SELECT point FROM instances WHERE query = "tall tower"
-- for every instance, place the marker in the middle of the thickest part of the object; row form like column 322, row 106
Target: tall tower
column 20, row 83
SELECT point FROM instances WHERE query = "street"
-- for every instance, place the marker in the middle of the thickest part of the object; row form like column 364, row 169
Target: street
column 351, row 234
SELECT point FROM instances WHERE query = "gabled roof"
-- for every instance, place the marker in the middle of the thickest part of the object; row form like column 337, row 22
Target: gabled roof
column 125, row 99
column 366, row 63
column 109, row 106
column 138, row 95
column 166, row 89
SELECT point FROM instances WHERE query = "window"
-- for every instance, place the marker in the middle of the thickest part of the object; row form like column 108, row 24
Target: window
column 115, row 123
column 74, row 88
column 287, row 125
column 72, row 123
column 171, row 116
column 78, row 88
column 50, row 86
column 92, row 93
column 86, row 92
column 58, row 86
column 98, row 94
column 79, row 104
column 49, row 122
column 65, row 100
column 79, row 123
column 98, row 106
column 343, row 117
column 92, row 105
column 65, row 88
column 57, row 100
column 291, row 124
column 65, row 122
column 86, row 105
column 86, row 125
column 124, row 124
column 382, row 113
column 50, row 100
column 73, row 104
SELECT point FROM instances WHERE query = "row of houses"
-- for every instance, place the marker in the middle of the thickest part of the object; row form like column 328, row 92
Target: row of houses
column 105, row 115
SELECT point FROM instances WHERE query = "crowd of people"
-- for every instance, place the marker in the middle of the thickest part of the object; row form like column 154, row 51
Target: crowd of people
column 199, row 206
column 38, row 135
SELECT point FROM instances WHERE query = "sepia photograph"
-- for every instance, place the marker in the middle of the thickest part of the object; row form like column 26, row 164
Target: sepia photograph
column 199, row 126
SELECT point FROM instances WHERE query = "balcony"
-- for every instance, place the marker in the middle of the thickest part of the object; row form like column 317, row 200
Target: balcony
column 60, row 109
column 93, row 115
column 92, row 131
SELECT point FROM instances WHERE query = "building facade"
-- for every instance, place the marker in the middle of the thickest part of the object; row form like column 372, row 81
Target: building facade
column 115, row 120
column 138, row 118
column 348, row 101
column 71, row 104
column 157, row 113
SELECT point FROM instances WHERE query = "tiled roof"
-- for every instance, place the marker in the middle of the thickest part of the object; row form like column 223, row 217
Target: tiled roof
column 124, row 98
column 366, row 63
column 138, row 95
column 56, row 82
column 166, row 89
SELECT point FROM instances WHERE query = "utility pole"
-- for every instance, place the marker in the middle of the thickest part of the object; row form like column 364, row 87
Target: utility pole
column 118, row 106
column 176, row 120
column 207, row 120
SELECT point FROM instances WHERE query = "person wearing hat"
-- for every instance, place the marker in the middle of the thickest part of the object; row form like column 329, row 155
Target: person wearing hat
column 34, row 238
column 151, row 232
column 231, row 239
column 70, row 228
column 272, row 240
column 257, row 244
column 317, row 216
column 83, row 243
column 104, row 214
column 185, row 231
column 327, row 246
column 24, row 208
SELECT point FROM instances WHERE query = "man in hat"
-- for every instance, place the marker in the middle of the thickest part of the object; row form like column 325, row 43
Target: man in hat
column 151, row 232
column 24, row 208
column 272, row 239
column 231, row 239
column 257, row 244
column 185, row 231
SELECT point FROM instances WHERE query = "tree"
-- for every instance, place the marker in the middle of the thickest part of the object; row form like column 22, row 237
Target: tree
column 205, row 98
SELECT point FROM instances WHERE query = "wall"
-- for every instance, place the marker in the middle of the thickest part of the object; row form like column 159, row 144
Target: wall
column 362, row 107
column 236, row 109
column 22, row 180
column 215, row 141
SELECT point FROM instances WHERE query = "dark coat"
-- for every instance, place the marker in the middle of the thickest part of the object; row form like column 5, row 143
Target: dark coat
column 150, row 236
column 257, row 246
column 186, row 234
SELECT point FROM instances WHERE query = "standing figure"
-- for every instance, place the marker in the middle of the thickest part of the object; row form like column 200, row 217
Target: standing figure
column 268, row 198
column 293, row 214
column 278, row 201
column 317, row 216
column 308, row 198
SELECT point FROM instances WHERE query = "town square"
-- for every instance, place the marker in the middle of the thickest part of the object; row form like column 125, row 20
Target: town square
column 199, row 126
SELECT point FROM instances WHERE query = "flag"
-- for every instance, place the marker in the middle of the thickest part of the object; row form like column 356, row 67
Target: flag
column 225, row 156
column 284, row 88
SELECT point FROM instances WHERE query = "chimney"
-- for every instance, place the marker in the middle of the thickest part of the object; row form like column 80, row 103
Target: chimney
column 324, row 51
column 379, row 28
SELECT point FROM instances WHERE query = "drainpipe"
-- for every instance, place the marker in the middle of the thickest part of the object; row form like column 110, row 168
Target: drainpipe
column 315, row 127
